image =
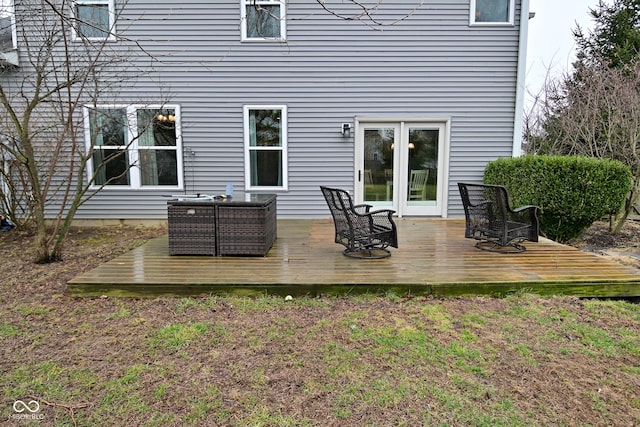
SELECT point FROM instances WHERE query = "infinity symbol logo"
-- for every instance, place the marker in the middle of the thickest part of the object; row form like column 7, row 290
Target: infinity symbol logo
column 19, row 406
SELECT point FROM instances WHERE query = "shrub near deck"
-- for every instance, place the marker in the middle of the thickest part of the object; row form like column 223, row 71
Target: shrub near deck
column 571, row 191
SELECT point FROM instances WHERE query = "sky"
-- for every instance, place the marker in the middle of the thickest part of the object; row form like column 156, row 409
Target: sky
column 551, row 43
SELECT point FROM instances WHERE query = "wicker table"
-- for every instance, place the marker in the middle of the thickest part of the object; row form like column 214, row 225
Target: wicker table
column 233, row 226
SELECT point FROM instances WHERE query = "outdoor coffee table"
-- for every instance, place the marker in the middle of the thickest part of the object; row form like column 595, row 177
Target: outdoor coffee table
column 243, row 225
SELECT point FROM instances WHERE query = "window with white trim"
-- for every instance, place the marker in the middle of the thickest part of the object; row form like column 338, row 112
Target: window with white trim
column 263, row 20
column 95, row 19
column 7, row 26
column 134, row 146
column 492, row 12
column 265, row 134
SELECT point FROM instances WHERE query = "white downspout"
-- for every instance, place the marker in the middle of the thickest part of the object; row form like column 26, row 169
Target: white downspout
column 520, row 78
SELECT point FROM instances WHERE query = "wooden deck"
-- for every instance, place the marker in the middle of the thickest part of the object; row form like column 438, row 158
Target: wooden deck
column 434, row 258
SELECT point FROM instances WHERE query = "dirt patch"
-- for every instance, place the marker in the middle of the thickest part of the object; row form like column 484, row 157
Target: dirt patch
column 623, row 247
column 231, row 361
column 598, row 236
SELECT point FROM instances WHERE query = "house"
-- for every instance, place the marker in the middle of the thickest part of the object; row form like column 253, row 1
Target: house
column 282, row 96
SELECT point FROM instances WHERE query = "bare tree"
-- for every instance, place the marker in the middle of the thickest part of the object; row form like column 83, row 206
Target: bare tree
column 596, row 115
column 63, row 67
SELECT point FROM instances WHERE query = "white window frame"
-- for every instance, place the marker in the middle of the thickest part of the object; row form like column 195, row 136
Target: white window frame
column 8, row 8
column 131, row 146
column 111, row 6
column 509, row 22
column 283, row 148
column 243, row 20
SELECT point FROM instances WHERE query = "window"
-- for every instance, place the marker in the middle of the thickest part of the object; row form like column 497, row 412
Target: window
column 95, row 19
column 262, row 20
column 134, row 146
column 7, row 26
column 492, row 11
column 265, row 147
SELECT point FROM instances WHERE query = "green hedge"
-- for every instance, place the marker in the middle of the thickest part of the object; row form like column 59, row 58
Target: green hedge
column 571, row 191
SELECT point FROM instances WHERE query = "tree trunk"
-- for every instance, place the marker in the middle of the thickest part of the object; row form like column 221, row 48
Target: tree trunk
column 618, row 220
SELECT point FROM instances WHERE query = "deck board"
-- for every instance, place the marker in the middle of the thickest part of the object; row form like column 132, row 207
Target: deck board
column 433, row 258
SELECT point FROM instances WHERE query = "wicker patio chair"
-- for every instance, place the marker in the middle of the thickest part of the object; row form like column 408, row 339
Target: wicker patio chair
column 364, row 233
column 491, row 220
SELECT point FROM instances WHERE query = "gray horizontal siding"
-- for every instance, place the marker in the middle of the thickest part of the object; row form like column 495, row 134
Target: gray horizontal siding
column 432, row 64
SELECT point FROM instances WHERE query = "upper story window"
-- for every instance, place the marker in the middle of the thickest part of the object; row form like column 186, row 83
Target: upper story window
column 492, row 12
column 7, row 26
column 95, row 19
column 265, row 134
column 263, row 20
column 134, row 146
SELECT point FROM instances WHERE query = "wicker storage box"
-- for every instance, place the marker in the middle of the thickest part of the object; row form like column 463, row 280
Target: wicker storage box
column 246, row 230
column 192, row 229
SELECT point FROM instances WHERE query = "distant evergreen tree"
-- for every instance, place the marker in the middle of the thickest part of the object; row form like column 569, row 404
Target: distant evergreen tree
column 615, row 38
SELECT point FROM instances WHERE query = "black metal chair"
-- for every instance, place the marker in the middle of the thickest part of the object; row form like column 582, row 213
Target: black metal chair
column 491, row 220
column 364, row 233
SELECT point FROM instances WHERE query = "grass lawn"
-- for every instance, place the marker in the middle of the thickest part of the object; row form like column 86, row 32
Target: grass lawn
column 376, row 360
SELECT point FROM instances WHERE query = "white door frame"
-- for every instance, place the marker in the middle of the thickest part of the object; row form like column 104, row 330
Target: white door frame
column 400, row 163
